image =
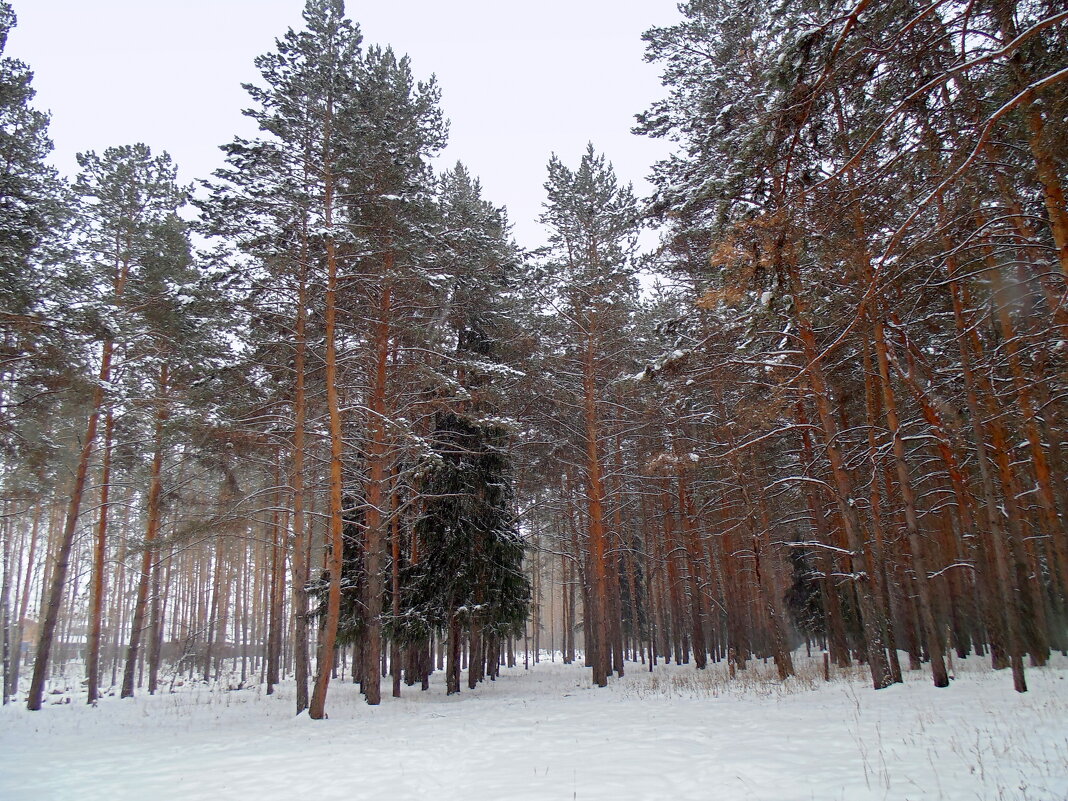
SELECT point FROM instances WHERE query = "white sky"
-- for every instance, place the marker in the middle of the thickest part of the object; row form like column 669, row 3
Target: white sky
column 519, row 80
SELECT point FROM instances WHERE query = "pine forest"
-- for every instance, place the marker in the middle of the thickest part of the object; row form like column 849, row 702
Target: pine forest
column 316, row 429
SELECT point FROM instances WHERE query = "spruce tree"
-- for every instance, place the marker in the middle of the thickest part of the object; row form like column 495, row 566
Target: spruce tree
column 470, row 573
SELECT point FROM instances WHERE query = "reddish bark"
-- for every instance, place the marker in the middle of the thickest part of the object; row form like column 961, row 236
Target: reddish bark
column 151, row 533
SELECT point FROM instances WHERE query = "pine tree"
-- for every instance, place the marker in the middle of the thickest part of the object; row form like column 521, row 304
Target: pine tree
column 175, row 346
column 37, row 330
column 125, row 192
column 280, row 200
column 592, row 223
column 39, row 348
column 397, row 126
column 333, row 200
column 828, row 207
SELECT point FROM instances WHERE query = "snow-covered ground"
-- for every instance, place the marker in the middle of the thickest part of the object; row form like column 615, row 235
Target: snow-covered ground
column 546, row 734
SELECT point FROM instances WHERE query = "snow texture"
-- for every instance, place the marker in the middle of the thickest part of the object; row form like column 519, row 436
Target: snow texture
column 547, row 734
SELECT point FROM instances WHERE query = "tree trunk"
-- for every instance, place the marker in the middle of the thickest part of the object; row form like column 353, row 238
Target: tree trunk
column 904, row 483
column 278, row 572
column 152, row 529
column 300, row 535
column 452, row 665
column 62, row 561
column 1010, row 593
column 376, row 481
column 693, row 573
column 7, row 528
column 96, row 603
column 155, row 624
column 24, row 601
column 878, row 551
column 395, row 588
column 837, row 646
column 317, row 708
column 595, row 506
column 855, row 535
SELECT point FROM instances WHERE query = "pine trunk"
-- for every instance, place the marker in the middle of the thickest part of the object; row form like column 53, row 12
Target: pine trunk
column 301, row 537
column 595, row 508
column 317, row 708
column 904, row 482
column 151, row 532
column 855, row 534
column 96, row 603
column 377, row 473
column 66, row 543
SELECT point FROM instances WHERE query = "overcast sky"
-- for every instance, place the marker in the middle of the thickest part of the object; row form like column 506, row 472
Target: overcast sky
column 519, row 80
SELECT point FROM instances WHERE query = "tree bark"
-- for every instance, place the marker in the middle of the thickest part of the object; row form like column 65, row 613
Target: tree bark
column 62, row 561
column 855, row 534
column 317, row 708
column 152, row 529
column 595, row 507
column 904, row 483
column 375, row 494
column 96, row 603
column 300, row 535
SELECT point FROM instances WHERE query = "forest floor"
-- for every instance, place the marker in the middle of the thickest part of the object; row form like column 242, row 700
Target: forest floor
column 546, row 734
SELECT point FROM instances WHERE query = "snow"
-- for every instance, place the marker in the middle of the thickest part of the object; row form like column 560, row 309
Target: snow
column 547, row 734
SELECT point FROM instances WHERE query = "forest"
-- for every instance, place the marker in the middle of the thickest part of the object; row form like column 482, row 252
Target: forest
column 318, row 417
